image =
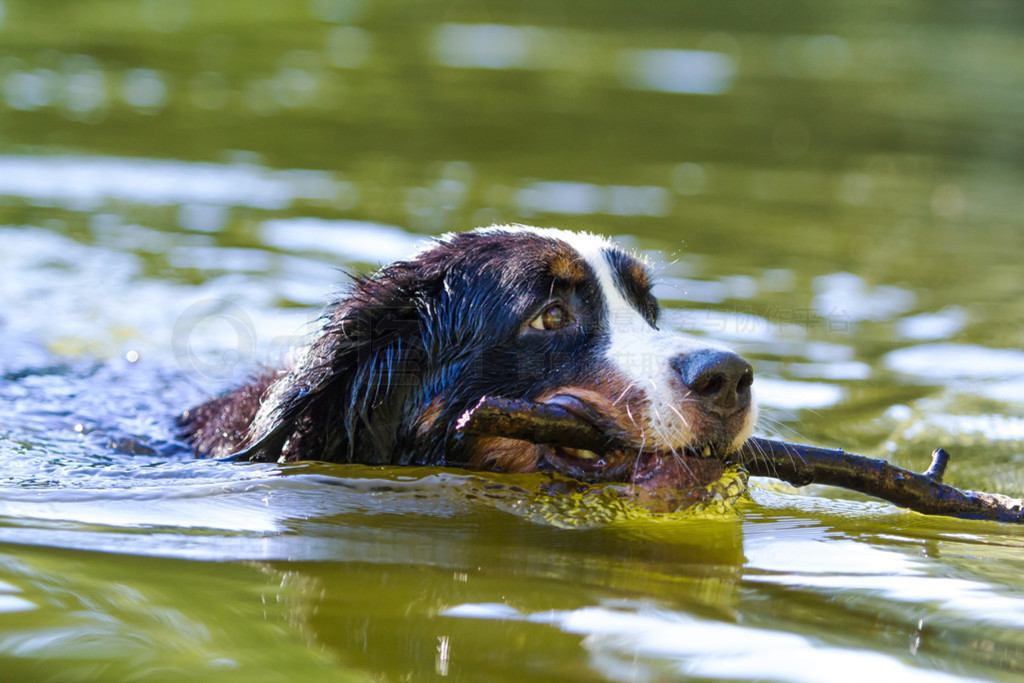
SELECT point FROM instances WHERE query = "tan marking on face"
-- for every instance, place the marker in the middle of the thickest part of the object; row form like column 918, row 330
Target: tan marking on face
column 426, row 420
column 566, row 264
column 506, row 455
column 638, row 273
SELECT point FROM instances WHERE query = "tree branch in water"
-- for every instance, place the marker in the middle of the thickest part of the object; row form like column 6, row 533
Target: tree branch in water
column 793, row 463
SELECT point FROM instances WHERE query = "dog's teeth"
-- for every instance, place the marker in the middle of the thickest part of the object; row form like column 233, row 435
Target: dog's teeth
column 706, row 452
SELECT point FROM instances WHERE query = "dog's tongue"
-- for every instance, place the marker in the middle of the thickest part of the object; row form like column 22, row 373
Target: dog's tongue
column 657, row 470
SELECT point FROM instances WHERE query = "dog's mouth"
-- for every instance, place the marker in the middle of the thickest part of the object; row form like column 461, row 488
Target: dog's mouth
column 694, row 465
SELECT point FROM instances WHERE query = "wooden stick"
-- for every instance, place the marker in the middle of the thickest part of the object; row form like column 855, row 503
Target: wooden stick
column 793, row 463
column 923, row 492
column 546, row 423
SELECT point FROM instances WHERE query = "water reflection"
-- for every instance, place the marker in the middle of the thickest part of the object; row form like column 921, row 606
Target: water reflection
column 930, row 362
column 350, row 240
column 583, row 198
column 846, row 297
column 76, row 86
column 641, row 642
column 677, row 71
column 790, row 395
column 144, row 90
column 485, row 46
column 942, row 324
column 86, row 184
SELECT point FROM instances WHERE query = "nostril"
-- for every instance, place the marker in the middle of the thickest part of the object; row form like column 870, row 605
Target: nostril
column 709, row 386
column 721, row 379
column 746, row 381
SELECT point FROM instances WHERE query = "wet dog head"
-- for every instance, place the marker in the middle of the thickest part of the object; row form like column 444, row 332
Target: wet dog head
column 514, row 311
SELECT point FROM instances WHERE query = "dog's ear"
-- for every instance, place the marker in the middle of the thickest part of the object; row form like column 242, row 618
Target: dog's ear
column 342, row 401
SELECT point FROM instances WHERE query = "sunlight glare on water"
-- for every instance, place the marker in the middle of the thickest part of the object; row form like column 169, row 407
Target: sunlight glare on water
column 620, row 641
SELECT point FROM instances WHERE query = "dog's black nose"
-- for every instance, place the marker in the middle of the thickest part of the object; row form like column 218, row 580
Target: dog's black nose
column 719, row 379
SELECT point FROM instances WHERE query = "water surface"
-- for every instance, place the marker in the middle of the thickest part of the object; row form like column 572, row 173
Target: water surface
column 832, row 190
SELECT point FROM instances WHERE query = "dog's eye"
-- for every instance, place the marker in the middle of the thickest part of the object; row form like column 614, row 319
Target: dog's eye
column 554, row 317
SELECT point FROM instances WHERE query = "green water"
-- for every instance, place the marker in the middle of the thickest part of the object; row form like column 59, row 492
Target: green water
column 831, row 188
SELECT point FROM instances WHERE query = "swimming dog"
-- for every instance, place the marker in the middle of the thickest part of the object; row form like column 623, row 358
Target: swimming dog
column 534, row 313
